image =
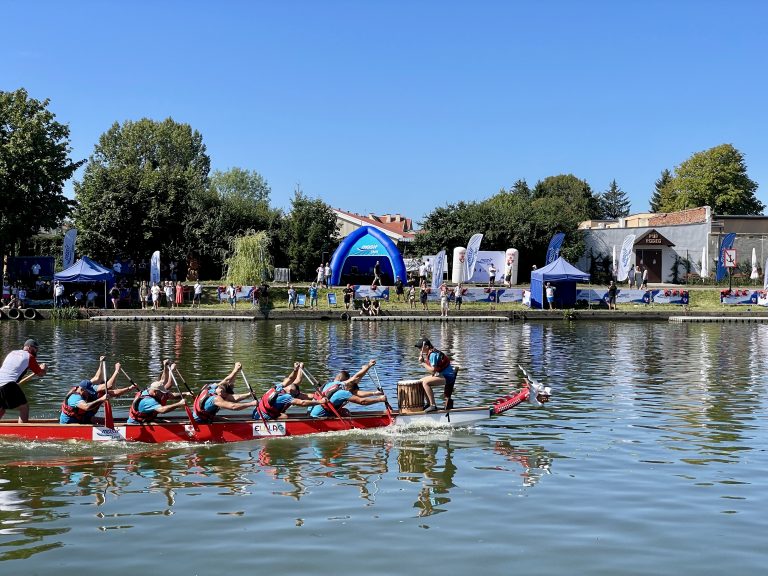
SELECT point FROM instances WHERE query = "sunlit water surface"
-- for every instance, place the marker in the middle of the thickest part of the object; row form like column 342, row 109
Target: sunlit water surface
column 650, row 459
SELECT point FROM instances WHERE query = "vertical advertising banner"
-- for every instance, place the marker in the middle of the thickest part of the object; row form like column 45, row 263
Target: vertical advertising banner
column 554, row 247
column 625, row 256
column 437, row 271
column 154, row 267
column 727, row 244
column 472, row 249
column 69, row 248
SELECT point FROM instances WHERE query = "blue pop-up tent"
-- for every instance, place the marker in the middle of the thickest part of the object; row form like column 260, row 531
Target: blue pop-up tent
column 86, row 270
column 563, row 276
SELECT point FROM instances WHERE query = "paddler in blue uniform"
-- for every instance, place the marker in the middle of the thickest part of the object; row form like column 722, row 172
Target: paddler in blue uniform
column 344, row 389
column 147, row 405
column 84, row 400
column 276, row 401
column 442, row 373
column 213, row 397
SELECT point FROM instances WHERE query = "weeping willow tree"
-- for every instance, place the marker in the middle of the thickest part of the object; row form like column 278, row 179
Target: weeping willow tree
column 249, row 263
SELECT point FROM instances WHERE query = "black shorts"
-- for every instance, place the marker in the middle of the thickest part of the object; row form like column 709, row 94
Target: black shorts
column 11, row 396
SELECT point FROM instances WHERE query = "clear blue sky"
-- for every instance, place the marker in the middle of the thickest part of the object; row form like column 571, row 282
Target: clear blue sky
column 401, row 106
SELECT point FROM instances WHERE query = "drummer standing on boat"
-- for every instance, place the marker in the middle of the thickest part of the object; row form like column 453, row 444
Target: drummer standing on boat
column 442, row 373
column 13, row 368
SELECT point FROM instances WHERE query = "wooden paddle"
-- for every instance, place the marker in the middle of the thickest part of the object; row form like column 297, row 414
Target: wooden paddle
column 377, row 383
column 109, row 420
column 186, row 406
column 316, row 384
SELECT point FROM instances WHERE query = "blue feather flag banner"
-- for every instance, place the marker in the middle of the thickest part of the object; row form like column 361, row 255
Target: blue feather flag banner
column 727, row 244
column 472, row 249
column 554, row 247
column 69, row 248
column 437, row 270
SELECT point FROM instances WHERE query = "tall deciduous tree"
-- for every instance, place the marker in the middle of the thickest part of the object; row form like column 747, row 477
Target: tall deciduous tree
column 235, row 204
column 34, row 165
column 657, row 200
column 136, row 191
column 717, row 178
column 309, row 229
column 614, row 202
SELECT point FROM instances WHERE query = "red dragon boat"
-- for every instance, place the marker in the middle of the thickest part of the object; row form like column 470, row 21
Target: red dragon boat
column 241, row 428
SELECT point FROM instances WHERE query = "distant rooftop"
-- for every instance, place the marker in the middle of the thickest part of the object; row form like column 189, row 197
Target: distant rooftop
column 394, row 225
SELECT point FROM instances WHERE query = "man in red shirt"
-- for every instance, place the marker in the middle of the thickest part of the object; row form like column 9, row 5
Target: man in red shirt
column 13, row 368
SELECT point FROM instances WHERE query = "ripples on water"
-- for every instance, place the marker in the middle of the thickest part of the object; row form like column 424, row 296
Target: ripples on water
column 649, row 459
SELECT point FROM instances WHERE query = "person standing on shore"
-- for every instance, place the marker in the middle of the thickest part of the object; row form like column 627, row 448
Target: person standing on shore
column 631, row 276
column 143, row 294
column 612, row 290
column 644, row 285
column 550, row 291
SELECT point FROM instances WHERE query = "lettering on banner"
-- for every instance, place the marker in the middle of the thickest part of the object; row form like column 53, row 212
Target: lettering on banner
column 268, row 429
column 101, row 434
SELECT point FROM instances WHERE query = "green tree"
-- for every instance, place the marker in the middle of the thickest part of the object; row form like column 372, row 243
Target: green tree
column 309, row 229
column 614, row 202
column 660, row 190
column 717, row 178
column 250, row 260
column 576, row 194
column 34, row 165
column 517, row 218
column 137, row 190
column 235, row 204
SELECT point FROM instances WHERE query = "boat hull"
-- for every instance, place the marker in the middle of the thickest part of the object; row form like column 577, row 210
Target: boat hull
column 234, row 429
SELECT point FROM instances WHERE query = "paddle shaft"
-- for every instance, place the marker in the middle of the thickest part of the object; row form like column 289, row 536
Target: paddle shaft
column 131, row 380
column 109, row 421
column 377, row 383
column 184, row 382
column 186, row 407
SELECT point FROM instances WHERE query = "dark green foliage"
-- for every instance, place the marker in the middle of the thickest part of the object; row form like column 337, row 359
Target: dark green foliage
column 309, row 230
column 657, row 200
column 717, row 178
column 518, row 218
column 34, row 165
column 614, row 202
column 136, row 193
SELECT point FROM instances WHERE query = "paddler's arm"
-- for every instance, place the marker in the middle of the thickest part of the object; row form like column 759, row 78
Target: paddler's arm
column 362, row 372
column 230, row 378
column 367, row 400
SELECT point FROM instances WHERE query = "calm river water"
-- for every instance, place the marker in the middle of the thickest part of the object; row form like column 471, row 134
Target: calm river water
column 650, row 459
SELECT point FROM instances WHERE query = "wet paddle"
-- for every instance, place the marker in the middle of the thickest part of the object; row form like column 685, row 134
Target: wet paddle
column 319, row 392
column 377, row 383
column 186, row 406
column 109, row 420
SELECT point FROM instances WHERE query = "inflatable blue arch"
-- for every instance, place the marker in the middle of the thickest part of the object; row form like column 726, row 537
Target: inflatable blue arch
column 354, row 259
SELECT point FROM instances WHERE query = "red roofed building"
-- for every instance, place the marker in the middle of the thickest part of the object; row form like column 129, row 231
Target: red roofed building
column 395, row 226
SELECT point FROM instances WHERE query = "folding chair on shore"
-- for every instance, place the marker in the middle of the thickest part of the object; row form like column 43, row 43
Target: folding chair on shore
column 332, row 299
column 301, row 300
